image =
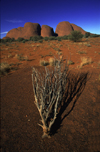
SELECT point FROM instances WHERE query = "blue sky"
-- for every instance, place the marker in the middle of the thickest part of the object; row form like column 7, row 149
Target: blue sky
column 85, row 14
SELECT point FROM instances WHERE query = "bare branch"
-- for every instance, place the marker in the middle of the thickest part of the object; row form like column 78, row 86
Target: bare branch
column 49, row 88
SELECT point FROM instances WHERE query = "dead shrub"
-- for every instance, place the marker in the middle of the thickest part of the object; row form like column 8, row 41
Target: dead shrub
column 49, row 88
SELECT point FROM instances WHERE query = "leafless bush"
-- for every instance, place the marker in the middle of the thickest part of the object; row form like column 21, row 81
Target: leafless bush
column 49, row 88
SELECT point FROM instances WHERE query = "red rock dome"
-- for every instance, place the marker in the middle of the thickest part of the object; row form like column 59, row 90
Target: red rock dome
column 29, row 29
column 63, row 28
column 34, row 29
column 77, row 28
column 46, row 31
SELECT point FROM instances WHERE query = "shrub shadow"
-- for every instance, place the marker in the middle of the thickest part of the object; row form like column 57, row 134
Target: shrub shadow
column 74, row 88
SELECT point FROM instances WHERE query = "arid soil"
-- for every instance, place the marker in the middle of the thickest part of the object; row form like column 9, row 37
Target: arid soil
column 77, row 127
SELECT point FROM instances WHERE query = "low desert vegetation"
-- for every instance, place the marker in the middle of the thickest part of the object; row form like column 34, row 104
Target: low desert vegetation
column 7, row 40
column 52, row 38
column 70, row 62
column 20, row 39
column 88, row 45
column 99, row 63
column 57, row 49
column 87, row 34
column 25, row 40
column 94, row 35
column 46, row 38
column 35, row 38
column 99, row 77
column 21, row 57
column 44, row 63
column 40, row 41
column 75, row 36
column 81, row 52
column 4, row 68
column 53, row 61
column 49, row 88
column 10, row 55
column 85, row 61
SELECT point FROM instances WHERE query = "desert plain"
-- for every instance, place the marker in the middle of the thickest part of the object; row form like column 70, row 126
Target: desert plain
column 78, row 128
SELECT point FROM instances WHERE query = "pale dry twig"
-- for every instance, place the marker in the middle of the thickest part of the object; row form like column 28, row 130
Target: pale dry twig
column 49, row 88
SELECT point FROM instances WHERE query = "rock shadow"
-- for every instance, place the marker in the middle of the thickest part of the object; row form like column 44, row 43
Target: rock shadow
column 55, row 34
column 74, row 88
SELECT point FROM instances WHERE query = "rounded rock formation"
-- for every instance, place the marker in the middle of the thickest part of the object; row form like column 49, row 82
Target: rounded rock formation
column 34, row 29
column 46, row 31
column 77, row 28
column 29, row 29
column 14, row 33
column 63, row 28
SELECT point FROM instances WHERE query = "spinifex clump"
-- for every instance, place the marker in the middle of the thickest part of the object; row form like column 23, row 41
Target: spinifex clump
column 49, row 88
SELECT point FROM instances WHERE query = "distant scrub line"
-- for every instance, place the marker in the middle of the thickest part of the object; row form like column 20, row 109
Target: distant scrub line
column 74, row 36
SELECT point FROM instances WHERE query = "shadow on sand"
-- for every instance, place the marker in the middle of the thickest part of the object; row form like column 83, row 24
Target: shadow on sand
column 74, row 88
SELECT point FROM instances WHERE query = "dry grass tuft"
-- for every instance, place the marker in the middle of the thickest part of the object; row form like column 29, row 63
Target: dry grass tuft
column 59, row 53
column 81, row 52
column 99, row 63
column 21, row 58
column 44, row 63
column 70, row 62
column 10, row 56
column 4, row 68
column 52, row 61
column 99, row 77
column 85, row 61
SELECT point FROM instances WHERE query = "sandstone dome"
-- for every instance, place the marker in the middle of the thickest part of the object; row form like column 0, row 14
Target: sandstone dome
column 77, row 28
column 46, row 31
column 63, row 28
column 29, row 29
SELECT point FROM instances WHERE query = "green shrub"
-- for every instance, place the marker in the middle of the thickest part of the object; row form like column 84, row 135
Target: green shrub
column 46, row 38
column 1, row 40
column 40, row 41
column 65, row 37
column 87, row 34
column 12, row 40
column 36, row 38
column 94, row 35
column 20, row 39
column 7, row 40
column 52, row 38
column 75, row 36
column 59, row 38
column 25, row 40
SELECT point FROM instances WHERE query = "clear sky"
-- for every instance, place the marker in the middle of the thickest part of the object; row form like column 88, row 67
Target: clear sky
column 84, row 13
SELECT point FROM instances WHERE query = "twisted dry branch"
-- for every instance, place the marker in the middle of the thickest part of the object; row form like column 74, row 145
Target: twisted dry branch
column 49, row 88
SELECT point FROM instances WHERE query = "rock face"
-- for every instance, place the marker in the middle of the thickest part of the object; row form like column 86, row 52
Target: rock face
column 63, row 28
column 77, row 28
column 34, row 29
column 29, row 29
column 46, row 31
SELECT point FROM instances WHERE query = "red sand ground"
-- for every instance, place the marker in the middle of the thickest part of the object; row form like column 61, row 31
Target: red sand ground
column 77, row 128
